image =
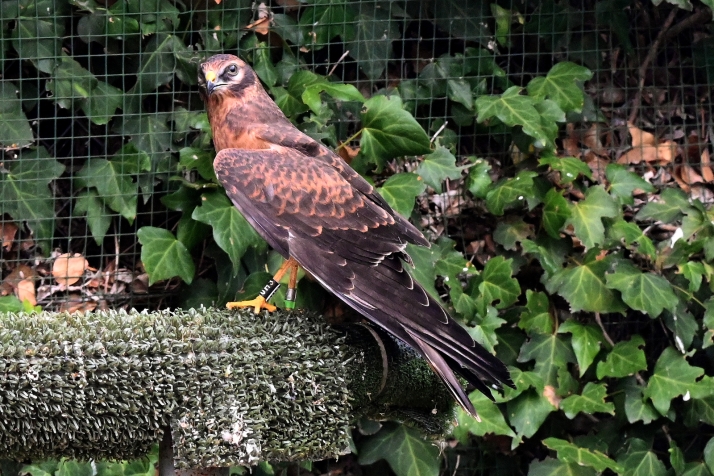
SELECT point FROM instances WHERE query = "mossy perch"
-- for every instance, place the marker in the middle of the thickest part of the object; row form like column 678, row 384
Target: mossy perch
column 234, row 387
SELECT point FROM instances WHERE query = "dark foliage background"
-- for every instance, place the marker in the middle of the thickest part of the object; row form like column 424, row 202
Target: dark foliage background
column 556, row 153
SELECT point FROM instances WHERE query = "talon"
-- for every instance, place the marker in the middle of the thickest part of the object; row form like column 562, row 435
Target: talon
column 257, row 304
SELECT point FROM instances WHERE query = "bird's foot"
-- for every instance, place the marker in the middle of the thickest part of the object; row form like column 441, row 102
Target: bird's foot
column 257, row 304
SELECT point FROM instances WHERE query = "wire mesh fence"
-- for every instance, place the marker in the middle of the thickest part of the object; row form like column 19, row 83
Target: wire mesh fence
column 106, row 153
column 99, row 99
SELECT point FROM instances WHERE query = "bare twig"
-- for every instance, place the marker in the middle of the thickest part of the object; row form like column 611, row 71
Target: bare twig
column 648, row 59
column 699, row 17
column 344, row 55
column 604, row 332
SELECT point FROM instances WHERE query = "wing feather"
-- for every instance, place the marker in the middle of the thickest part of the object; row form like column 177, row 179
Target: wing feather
column 327, row 220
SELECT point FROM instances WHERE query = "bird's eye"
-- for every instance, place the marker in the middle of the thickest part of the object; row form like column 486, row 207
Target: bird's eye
column 232, row 69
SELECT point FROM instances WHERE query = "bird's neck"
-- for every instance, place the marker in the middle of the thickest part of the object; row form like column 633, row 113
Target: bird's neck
column 234, row 119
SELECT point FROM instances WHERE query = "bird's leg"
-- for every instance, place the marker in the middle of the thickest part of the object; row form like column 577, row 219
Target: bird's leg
column 291, row 293
column 261, row 302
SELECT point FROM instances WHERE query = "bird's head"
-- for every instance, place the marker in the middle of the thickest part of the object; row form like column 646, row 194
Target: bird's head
column 224, row 74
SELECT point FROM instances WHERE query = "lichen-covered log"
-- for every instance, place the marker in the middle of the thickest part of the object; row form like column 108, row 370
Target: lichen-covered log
column 235, row 388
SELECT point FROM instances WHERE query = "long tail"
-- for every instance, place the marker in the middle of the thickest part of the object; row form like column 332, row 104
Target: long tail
column 388, row 296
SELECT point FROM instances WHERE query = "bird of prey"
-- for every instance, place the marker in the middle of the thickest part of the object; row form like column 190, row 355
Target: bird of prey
column 320, row 214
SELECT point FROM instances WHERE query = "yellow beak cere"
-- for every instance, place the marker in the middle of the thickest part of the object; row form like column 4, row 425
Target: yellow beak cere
column 211, row 76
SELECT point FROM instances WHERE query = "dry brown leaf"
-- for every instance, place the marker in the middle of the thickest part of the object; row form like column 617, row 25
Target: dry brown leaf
column 666, row 152
column 347, row 153
column 11, row 280
column 682, row 184
column 68, row 269
column 597, row 165
column 550, row 395
column 75, row 304
column 8, row 231
column 591, row 140
column 640, row 137
column 261, row 26
column 570, row 147
column 661, row 154
column 707, row 171
column 688, row 175
column 25, row 290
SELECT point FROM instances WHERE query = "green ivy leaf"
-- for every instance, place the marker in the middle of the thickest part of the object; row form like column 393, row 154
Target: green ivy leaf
column 586, row 341
column 560, row 85
column 464, row 19
column 536, row 318
column 157, row 65
column 526, row 413
column 592, row 400
column 586, row 216
column 449, row 263
column 550, row 352
column 484, row 329
column 492, row 420
column 389, row 131
column 16, row 131
column 400, row 190
column 407, row 453
column 191, row 232
column 550, row 252
column 693, row 271
column 38, row 40
column 191, row 158
column 570, row 168
column 323, row 22
column 164, row 256
column 672, row 377
column 341, row 92
column 509, row 191
column 510, row 232
column 230, row 230
column 624, row 359
column 113, row 179
column 263, row 64
column 555, row 212
column 637, row 407
column 555, row 467
column 676, row 458
column 682, row 324
column 437, row 167
column 695, row 469
column 98, row 216
column 371, row 41
column 513, row 110
column 638, row 460
column 570, row 453
column 669, row 208
column 584, row 286
column 149, row 133
column 11, row 304
column 498, row 284
column 623, row 183
column 646, row 292
column 479, row 179
column 24, row 191
column 632, row 233
column 68, row 467
column 709, row 454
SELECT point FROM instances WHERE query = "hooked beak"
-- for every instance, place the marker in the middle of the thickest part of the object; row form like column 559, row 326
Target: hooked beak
column 210, row 82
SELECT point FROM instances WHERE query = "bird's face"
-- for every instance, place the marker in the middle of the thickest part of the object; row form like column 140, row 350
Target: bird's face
column 224, row 74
